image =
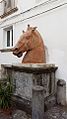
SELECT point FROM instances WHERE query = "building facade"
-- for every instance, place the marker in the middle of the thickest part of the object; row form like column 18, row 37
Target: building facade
column 50, row 16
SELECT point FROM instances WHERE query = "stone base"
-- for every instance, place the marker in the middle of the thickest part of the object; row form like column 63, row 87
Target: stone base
column 26, row 105
column 25, row 76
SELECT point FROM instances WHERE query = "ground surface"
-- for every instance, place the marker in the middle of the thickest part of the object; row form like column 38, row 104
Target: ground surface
column 56, row 112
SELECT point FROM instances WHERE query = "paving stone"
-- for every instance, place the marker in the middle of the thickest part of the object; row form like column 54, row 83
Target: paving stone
column 56, row 112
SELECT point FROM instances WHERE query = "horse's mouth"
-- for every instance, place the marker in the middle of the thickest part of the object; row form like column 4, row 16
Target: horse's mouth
column 19, row 54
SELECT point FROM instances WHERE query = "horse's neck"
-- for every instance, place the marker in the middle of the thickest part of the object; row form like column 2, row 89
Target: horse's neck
column 39, row 36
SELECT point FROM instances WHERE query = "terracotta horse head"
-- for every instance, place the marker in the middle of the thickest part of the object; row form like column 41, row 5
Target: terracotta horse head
column 30, row 42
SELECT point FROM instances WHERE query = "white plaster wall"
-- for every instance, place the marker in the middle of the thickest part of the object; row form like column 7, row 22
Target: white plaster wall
column 26, row 4
column 53, row 27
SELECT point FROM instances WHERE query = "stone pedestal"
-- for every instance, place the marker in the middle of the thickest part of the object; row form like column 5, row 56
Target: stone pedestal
column 61, row 92
column 38, row 102
column 25, row 76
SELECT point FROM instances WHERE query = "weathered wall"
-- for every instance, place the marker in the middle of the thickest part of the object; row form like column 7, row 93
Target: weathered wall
column 52, row 25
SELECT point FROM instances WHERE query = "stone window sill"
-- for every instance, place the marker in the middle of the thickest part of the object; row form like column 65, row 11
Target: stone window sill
column 6, row 50
column 9, row 12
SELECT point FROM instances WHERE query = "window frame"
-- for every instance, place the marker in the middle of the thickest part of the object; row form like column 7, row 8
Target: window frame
column 5, row 40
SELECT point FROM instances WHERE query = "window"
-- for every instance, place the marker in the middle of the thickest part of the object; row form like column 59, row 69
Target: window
column 8, row 37
column 7, row 5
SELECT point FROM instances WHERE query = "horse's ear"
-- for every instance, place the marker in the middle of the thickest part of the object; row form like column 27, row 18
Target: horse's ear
column 34, row 28
column 28, row 25
column 23, row 31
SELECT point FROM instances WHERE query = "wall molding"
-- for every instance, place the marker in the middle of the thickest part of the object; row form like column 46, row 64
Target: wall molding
column 33, row 12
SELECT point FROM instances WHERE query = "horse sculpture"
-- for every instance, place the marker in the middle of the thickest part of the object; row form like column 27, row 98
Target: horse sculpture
column 30, row 42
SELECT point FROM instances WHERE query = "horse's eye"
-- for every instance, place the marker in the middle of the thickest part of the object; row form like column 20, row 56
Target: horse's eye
column 16, row 49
